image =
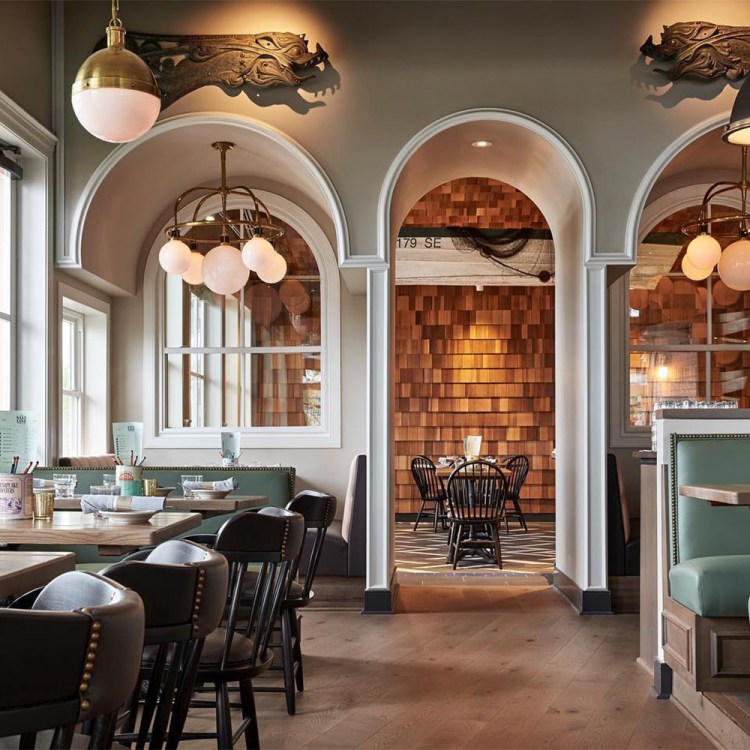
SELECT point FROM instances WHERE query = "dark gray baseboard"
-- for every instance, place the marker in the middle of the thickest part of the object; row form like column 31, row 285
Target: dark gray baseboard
column 584, row 602
column 380, row 601
column 662, row 679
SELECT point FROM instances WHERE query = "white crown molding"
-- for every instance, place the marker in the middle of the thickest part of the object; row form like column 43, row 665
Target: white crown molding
column 22, row 125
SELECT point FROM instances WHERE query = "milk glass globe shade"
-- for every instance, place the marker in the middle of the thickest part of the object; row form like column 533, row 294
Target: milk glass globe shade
column 223, row 270
column 194, row 274
column 696, row 274
column 115, row 95
column 258, row 254
column 174, row 256
column 734, row 266
column 275, row 271
column 703, row 251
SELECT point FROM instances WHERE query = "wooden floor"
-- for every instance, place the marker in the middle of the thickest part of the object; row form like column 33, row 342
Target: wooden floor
column 502, row 667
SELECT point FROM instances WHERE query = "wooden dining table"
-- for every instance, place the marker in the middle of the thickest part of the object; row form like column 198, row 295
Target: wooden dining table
column 73, row 528
column 446, row 471
column 718, row 494
column 23, row 571
column 207, row 508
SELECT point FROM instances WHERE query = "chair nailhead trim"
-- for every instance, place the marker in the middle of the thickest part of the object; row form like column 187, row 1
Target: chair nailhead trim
column 85, row 705
column 88, row 667
column 198, row 597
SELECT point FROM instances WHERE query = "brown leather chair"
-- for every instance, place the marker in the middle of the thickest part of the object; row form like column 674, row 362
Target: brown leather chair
column 106, row 461
column 183, row 586
column 72, row 651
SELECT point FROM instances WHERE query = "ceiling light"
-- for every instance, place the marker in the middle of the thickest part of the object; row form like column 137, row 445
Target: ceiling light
column 482, row 144
column 738, row 129
column 115, row 95
column 224, row 269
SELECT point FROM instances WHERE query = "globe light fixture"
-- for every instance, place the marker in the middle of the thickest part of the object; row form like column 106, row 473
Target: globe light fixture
column 115, row 95
column 704, row 251
column 224, row 269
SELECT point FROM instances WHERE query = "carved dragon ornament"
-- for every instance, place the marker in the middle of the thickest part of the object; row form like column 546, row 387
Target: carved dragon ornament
column 702, row 50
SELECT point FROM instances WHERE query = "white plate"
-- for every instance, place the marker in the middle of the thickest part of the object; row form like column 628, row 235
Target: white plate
column 127, row 516
column 210, row 494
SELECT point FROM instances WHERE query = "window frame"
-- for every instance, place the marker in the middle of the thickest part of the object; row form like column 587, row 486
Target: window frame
column 328, row 434
column 78, row 393
column 12, row 317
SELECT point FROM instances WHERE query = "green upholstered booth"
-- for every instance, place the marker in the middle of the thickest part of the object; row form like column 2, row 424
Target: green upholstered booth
column 275, row 482
column 709, row 546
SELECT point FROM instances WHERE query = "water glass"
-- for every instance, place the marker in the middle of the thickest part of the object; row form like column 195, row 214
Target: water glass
column 189, row 478
column 44, row 505
column 103, row 489
column 150, row 486
column 109, row 480
column 65, row 484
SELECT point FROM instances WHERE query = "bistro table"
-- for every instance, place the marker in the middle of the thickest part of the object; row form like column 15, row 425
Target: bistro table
column 718, row 494
column 446, row 471
column 23, row 571
column 67, row 527
column 207, row 508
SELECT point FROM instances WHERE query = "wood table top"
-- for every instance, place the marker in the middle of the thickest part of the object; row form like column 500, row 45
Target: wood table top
column 446, row 471
column 206, row 508
column 718, row 494
column 23, row 571
column 69, row 527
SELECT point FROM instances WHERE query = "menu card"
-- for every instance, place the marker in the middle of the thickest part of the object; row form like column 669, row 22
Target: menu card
column 230, row 444
column 19, row 434
column 128, row 436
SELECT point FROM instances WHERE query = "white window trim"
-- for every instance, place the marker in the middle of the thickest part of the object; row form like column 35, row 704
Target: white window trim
column 328, row 434
column 622, row 433
column 79, row 392
column 12, row 316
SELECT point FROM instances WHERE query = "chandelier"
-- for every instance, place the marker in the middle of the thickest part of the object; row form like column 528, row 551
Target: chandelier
column 224, row 269
column 115, row 95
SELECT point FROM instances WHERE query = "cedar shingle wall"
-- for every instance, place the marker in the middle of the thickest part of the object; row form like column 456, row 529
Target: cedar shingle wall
column 471, row 362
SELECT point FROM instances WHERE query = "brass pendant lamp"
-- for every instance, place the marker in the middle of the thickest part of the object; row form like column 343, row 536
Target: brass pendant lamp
column 115, row 95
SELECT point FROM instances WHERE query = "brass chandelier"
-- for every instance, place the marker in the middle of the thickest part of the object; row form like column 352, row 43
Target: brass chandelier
column 225, row 269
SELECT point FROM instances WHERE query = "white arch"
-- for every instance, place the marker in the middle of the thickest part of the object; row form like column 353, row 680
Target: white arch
column 580, row 345
column 300, row 156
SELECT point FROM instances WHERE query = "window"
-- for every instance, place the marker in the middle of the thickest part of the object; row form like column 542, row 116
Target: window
column 687, row 339
column 264, row 360
column 7, row 272
column 72, row 358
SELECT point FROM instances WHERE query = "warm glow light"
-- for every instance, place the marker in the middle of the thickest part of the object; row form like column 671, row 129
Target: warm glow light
column 223, row 270
column 174, row 256
column 693, row 273
column 734, row 266
column 703, row 251
column 116, row 115
column 258, row 254
column 662, row 372
column 482, row 144
column 194, row 274
column 275, row 272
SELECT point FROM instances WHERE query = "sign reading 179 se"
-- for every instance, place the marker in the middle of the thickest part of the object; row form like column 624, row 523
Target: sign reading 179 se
column 423, row 242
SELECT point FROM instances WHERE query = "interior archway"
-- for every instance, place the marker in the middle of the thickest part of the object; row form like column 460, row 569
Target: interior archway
column 537, row 161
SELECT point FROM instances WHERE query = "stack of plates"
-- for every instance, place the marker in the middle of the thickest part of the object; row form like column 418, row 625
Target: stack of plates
column 127, row 516
column 210, row 494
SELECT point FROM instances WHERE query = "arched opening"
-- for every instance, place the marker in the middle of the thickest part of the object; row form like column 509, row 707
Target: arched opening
column 534, row 159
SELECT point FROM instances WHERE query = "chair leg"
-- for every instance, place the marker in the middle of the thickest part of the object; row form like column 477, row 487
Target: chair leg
column 495, row 533
column 62, row 739
column 161, row 720
column 27, row 741
column 435, row 517
column 419, row 515
column 247, row 699
column 299, row 675
column 519, row 513
column 104, row 731
column 152, row 695
column 288, row 662
column 183, row 694
column 457, row 545
column 223, row 717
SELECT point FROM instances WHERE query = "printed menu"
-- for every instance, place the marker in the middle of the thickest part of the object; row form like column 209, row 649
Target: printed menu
column 19, row 435
column 128, row 436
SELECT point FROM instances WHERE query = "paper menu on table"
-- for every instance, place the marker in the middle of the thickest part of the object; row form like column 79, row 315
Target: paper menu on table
column 128, row 436
column 19, row 434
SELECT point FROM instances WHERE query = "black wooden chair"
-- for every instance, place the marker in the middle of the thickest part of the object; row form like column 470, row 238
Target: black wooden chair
column 318, row 509
column 239, row 651
column 71, row 654
column 184, row 589
column 431, row 490
column 519, row 470
column 476, row 491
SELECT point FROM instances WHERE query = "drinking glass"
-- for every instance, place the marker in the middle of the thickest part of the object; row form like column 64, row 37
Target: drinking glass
column 109, row 480
column 104, row 489
column 189, row 478
column 65, row 484
column 44, row 505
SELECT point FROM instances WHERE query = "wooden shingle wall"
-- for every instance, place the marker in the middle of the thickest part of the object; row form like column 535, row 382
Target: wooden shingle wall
column 479, row 363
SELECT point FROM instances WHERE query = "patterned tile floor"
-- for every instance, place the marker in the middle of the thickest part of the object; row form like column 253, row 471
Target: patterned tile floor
column 421, row 555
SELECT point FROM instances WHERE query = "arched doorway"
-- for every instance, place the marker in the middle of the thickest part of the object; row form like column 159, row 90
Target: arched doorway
column 536, row 160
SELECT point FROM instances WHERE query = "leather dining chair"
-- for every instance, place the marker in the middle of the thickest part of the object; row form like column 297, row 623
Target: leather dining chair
column 183, row 586
column 72, row 652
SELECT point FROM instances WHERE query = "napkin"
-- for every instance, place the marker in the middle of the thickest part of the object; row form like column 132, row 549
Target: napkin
column 43, row 484
column 93, row 503
column 222, row 484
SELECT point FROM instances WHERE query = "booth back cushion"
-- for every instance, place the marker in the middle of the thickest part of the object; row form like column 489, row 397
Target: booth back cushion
column 703, row 530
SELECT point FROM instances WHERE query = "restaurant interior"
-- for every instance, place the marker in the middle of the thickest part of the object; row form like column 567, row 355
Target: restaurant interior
column 373, row 374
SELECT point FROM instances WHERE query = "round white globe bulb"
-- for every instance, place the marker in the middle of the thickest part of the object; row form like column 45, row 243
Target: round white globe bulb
column 693, row 273
column 174, row 256
column 258, row 254
column 734, row 266
column 116, row 115
column 194, row 274
column 275, row 271
column 703, row 251
column 223, row 270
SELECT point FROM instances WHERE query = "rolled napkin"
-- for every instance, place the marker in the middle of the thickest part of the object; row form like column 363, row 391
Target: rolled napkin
column 94, row 503
column 222, row 484
column 43, row 484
